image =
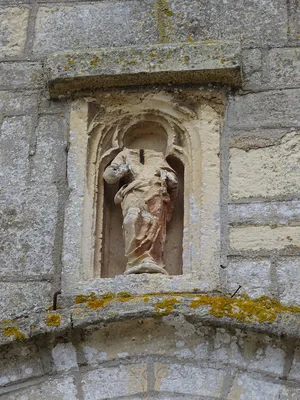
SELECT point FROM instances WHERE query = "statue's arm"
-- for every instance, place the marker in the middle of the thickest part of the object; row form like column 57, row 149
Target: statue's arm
column 116, row 170
column 173, row 190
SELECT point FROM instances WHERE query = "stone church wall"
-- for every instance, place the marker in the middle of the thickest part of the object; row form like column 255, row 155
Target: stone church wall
column 172, row 357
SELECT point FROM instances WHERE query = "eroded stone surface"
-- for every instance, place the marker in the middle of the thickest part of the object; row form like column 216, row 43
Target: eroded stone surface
column 20, row 298
column 107, row 383
column 264, row 238
column 54, row 389
column 20, row 361
column 14, row 22
column 288, row 275
column 253, row 277
column 28, row 219
column 17, row 75
column 267, row 172
column 14, row 148
column 188, row 379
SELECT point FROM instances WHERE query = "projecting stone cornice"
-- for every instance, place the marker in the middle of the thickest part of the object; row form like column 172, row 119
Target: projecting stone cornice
column 263, row 314
column 210, row 61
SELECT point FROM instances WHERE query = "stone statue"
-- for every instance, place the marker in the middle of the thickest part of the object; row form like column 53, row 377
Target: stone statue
column 149, row 188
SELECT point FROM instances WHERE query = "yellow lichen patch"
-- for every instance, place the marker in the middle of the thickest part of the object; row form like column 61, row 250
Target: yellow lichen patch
column 123, row 295
column 190, row 38
column 108, row 296
column 53, row 319
column 6, row 321
column 94, row 61
column 96, row 304
column 81, row 298
column 243, row 308
column 146, row 299
column 13, row 331
column 164, row 307
column 163, row 14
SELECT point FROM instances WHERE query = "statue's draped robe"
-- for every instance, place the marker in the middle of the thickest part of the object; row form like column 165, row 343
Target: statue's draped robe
column 147, row 201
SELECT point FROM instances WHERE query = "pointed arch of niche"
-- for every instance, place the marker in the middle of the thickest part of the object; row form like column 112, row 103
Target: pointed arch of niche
column 186, row 133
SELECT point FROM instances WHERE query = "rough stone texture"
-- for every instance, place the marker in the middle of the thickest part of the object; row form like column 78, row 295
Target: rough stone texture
column 27, row 230
column 288, row 275
column 19, row 298
column 14, row 150
column 20, row 75
column 55, row 389
column 107, row 383
column 270, row 213
column 264, row 238
column 267, row 172
column 13, row 26
column 64, row 357
column 49, row 159
column 160, row 21
column 18, row 103
column 272, row 109
column 216, row 62
column 253, row 277
column 295, row 368
column 123, row 350
column 284, row 67
column 20, row 362
column 94, row 25
column 252, row 68
column 248, row 387
column 186, row 379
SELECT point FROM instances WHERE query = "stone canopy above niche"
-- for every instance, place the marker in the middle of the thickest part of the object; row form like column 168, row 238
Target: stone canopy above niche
column 210, row 61
column 185, row 125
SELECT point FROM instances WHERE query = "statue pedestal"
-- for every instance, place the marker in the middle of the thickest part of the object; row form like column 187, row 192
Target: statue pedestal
column 145, row 267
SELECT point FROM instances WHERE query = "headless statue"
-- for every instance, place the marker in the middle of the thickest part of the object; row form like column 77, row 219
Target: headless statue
column 149, row 188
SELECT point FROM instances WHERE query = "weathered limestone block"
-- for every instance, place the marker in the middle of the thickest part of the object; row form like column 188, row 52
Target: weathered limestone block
column 252, row 68
column 251, row 387
column 294, row 20
column 295, row 368
column 170, row 337
column 64, row 357
column 27, row 231
column 255, row 23
column 20, row 298
column 270, row 109
column 49, row 160
column 247, row 139
column 270, row 213
column 257, row 353
column 267, row 172
column 94, row 25
column 264, row 238
column 14, row 150
column 252, row 276
column 188, row 379
column 16, row 103
column 55, row 389
column 288, row 275
column 20, row 361
column 13, row 28
column 122, row 380
column 284, row 66
column 20, row 75
column 160, row 21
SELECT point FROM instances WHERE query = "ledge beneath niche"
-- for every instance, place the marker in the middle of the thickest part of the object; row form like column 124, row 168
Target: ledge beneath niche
column 210, row 61
column 87, row 310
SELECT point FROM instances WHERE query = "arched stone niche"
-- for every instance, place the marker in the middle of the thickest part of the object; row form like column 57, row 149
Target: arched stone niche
column 186, row 126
